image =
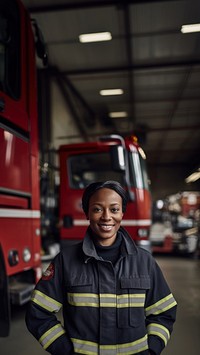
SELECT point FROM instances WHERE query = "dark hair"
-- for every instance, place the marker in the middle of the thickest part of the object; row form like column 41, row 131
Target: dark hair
column 93, row 187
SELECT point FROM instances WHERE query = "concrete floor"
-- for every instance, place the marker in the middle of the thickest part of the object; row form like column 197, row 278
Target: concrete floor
column 183, row 276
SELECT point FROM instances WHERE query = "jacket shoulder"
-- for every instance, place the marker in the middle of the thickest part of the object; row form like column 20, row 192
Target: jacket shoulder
column 72, row 252
column 145, row 258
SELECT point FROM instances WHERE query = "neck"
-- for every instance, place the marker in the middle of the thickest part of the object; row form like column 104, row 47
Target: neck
column 106, row 242
column 109, row 252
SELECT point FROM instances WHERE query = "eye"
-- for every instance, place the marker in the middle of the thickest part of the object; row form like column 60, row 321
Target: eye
column 115, row 209
column 97, row 209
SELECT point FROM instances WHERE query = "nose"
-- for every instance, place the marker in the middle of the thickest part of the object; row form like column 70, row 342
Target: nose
column 106, row 215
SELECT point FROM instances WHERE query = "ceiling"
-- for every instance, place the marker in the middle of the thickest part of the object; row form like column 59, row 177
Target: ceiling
column 156, row 66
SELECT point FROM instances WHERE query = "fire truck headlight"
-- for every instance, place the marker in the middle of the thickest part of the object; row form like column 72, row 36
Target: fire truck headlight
column 26, row 255
column 142, row 232
column 13, row 257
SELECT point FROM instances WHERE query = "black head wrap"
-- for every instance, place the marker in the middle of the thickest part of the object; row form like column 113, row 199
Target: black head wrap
column 93, row 187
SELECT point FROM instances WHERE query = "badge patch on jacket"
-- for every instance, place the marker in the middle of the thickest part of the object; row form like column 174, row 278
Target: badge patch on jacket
column 49, row 272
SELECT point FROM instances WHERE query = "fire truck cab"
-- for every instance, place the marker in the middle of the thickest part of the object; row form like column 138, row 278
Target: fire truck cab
column 20, row 261
column 109, row 158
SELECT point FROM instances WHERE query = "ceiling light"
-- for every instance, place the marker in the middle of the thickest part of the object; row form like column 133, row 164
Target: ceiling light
column 107, row 92
column 193, row 177
column 118, row 114
column 195, row 27
column 95, row 37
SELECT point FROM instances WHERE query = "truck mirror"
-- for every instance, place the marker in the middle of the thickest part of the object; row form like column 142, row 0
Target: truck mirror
column 117, row 158
column 41, row 48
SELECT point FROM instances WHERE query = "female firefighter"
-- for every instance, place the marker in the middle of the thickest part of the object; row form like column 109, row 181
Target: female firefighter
column 114, row 297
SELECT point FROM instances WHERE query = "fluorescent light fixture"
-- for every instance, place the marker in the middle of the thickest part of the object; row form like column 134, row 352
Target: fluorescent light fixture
column 193, row 177
column 195, row 27
column 95, row 37
column 108, row 92
column 119, row 114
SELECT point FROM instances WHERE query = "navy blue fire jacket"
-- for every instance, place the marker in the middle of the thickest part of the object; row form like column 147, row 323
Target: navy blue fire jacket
column 123, row 309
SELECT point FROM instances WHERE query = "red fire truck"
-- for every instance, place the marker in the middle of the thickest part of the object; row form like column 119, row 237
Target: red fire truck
column 20, row 264
column 109, row 158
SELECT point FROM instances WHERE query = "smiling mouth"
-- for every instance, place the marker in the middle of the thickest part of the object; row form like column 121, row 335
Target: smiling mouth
column 106, row 227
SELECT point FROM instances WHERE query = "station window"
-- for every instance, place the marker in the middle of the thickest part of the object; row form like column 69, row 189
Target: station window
column 10, row 48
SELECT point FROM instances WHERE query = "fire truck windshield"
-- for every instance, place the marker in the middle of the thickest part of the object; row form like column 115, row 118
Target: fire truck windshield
column 86, row 168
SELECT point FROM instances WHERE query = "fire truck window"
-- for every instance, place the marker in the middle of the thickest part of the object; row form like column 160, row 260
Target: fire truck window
column 144, row 173
column 138, row 171
column 9, row 49
column 83, row 169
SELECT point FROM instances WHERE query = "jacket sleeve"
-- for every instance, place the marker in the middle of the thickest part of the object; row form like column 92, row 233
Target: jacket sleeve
column 46, row 301
column 160, row 310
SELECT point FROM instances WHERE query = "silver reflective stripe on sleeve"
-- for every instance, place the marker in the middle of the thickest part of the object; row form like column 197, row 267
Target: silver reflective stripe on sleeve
column 161, row 306
column 106, row 300
column 51, row 335
column 45, row 301
column 90, row 348
column 160, row 331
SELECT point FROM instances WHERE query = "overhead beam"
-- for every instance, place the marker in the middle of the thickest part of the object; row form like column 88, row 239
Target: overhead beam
column 91, row 114
column 130, row 78
column 87, row 4
column 177, row 128
column 70, row 105
column 148, row 130
column 141, row 66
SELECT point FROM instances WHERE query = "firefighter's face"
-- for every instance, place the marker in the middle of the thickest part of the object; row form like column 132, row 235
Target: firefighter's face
column 105, row 215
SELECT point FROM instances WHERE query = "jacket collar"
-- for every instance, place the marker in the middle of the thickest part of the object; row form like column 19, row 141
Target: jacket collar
column 89, row 249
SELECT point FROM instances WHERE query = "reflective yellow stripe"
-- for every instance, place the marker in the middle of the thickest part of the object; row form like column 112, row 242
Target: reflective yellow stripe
column 51, row 335
column 83, row 299
column 106, row 300
column 45, row 301
column 91, row 348
column 84, row 347
column 161, row 306
column 131, row 300
column 160, row 331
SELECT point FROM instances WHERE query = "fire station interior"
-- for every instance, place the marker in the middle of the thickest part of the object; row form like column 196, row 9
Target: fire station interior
column 141, row 79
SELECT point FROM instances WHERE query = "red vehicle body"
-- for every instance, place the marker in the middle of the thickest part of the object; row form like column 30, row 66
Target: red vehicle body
column 110, row 158
column 20, row 261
